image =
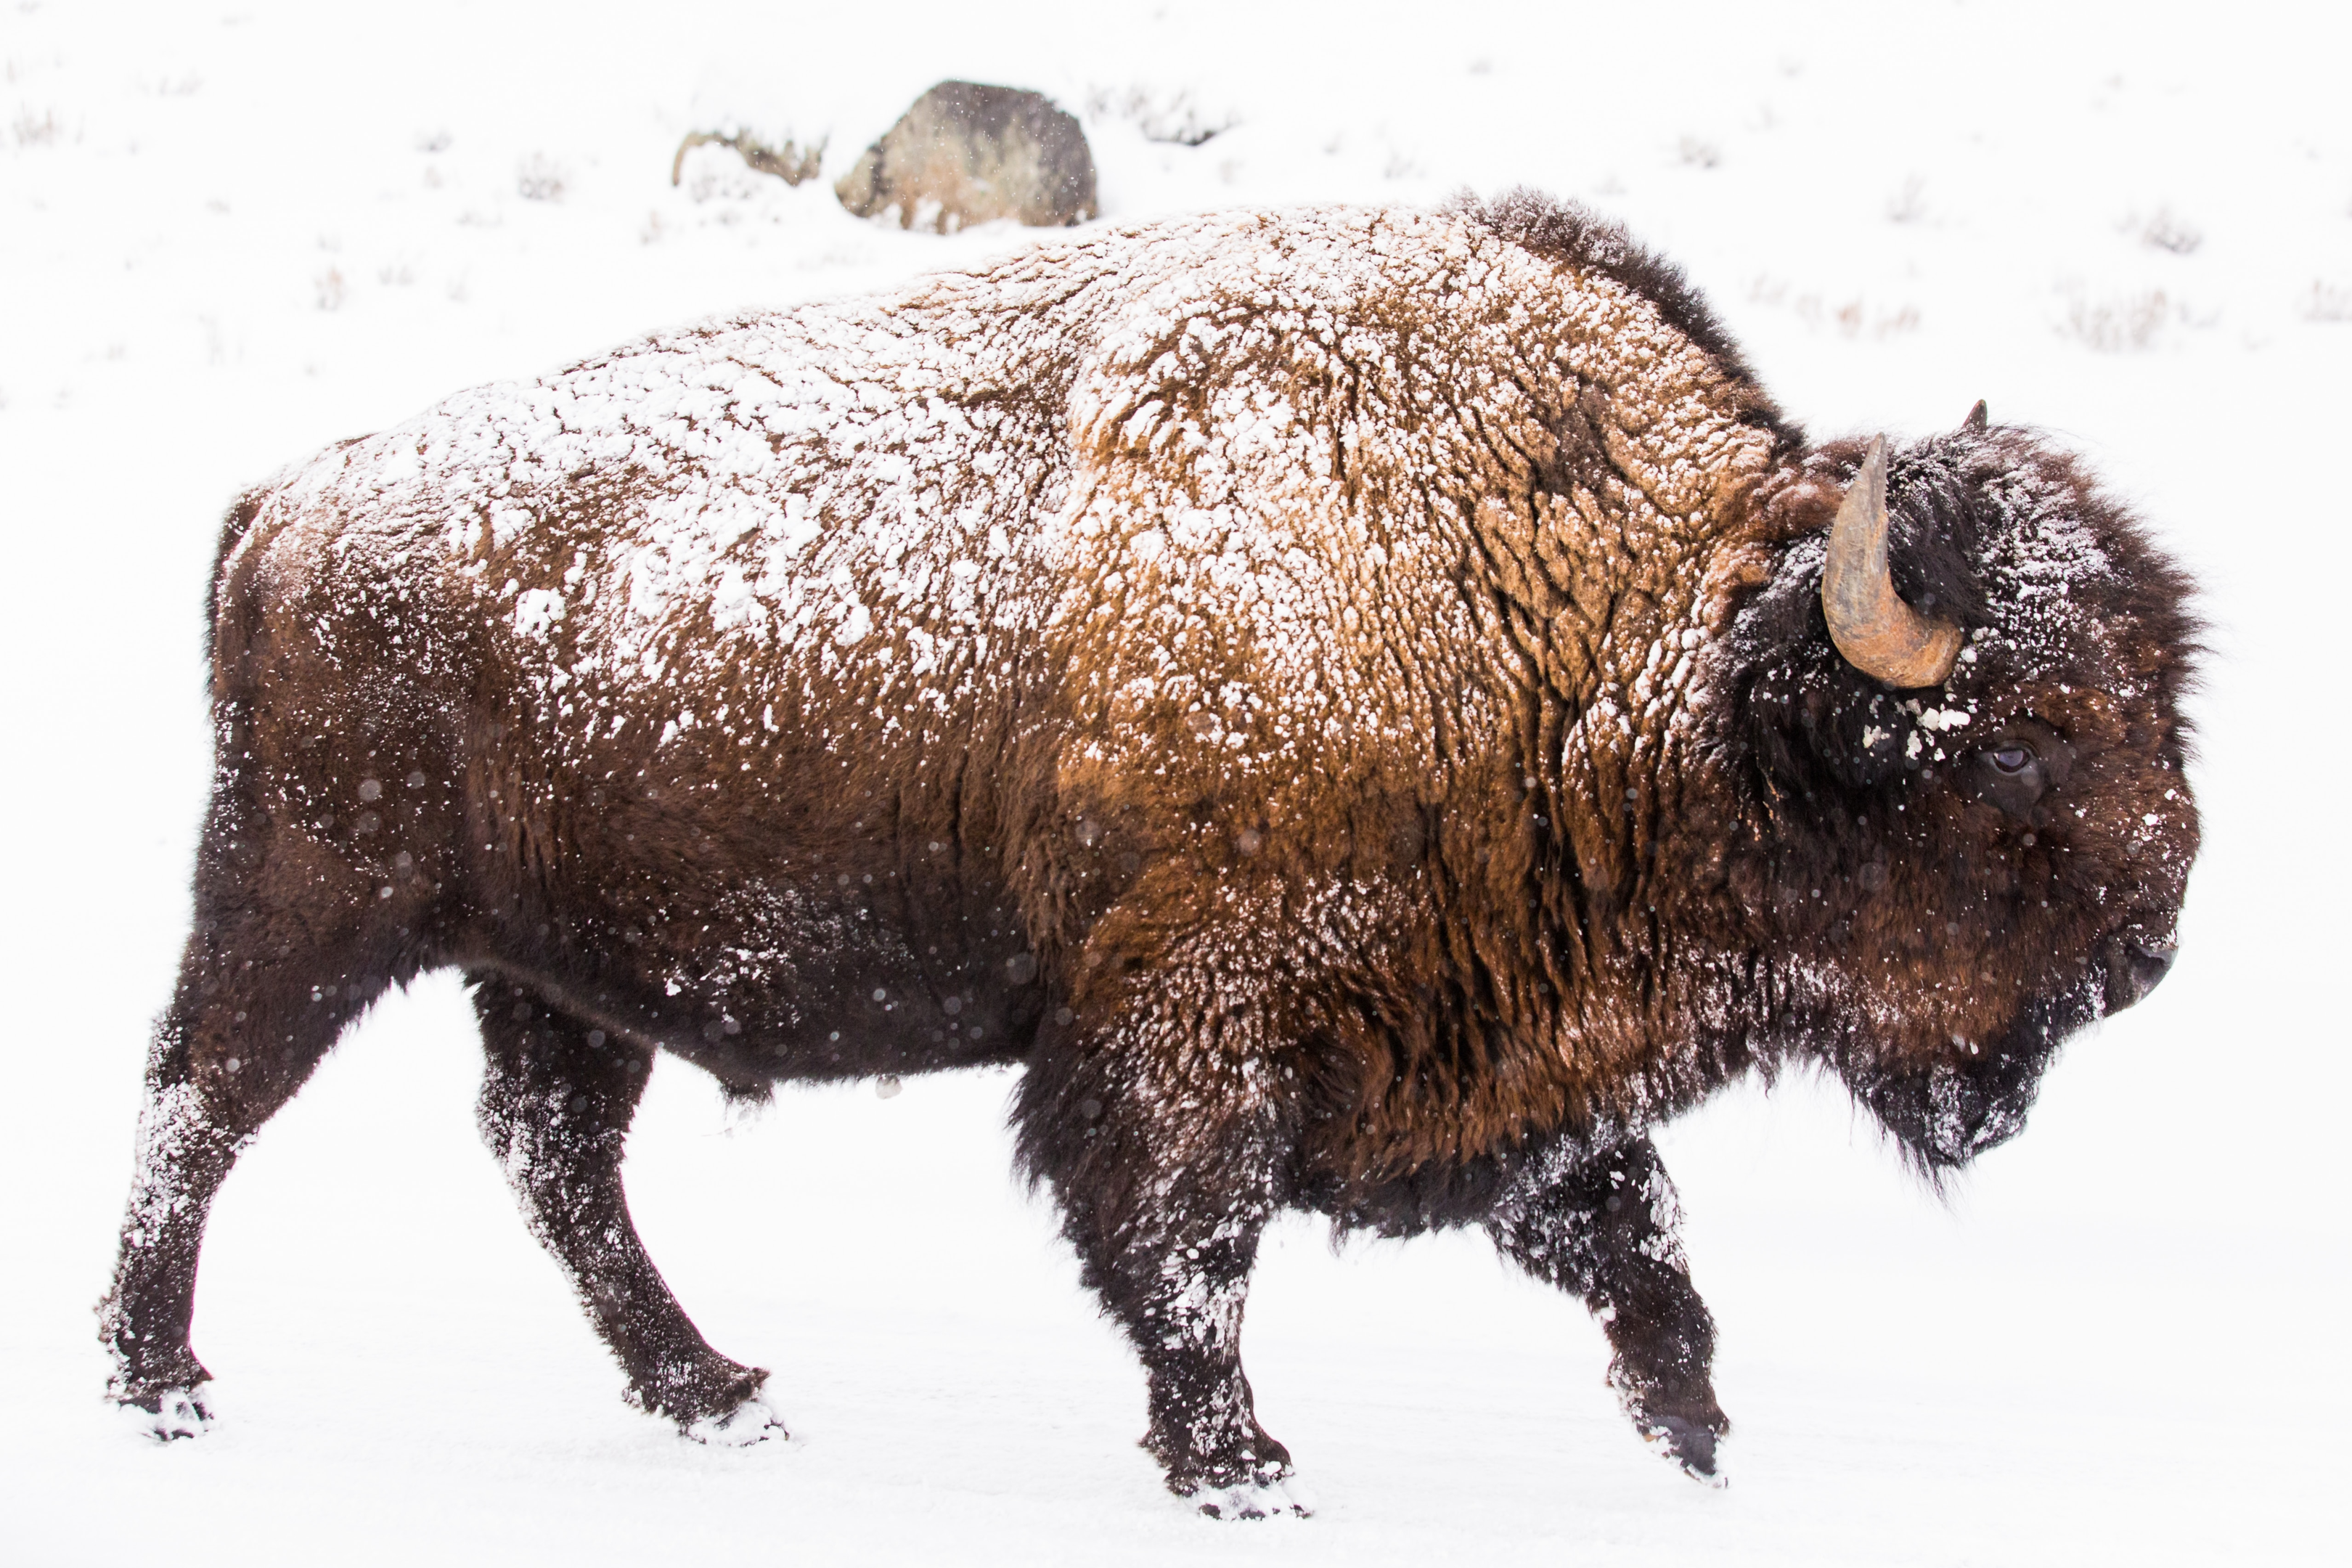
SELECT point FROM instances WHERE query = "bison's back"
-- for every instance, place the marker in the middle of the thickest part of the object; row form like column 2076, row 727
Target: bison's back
column 1230, row 456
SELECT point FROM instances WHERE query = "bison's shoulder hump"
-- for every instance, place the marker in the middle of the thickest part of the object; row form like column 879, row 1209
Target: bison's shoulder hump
column 1571, row 233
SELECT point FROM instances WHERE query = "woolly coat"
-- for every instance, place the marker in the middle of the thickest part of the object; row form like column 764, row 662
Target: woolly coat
column 1257, row 656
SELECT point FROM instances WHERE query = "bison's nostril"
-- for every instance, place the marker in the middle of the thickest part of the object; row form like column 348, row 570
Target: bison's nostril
column 2134, row 969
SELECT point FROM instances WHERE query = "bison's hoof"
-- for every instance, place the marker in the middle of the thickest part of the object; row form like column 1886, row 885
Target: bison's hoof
column 753, row 1421
column 1271, row 1496
column 1688, row 1443
column 170, row 1413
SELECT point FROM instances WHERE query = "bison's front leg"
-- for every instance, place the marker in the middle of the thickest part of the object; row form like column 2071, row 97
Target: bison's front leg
column 1603, row 1224
column 1165, row 1157
column 557, row 1101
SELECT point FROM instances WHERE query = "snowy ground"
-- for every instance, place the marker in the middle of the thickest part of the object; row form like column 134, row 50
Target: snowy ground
column 228, row 237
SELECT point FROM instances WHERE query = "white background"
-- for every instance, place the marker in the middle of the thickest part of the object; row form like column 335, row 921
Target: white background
column 228, row 235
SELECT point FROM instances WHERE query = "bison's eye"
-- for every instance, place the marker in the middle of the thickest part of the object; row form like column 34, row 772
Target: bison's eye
column 2018, row 765
column 2019, row 768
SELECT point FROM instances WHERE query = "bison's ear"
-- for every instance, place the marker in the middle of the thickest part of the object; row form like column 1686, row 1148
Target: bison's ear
column 1815, row 719
column 1975, row 422
column 1807, row 718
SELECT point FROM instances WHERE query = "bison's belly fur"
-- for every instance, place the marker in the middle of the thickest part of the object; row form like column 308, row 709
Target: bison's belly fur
column 1332, row 696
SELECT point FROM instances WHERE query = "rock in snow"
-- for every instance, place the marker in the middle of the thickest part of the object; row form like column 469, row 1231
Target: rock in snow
column 966, row 154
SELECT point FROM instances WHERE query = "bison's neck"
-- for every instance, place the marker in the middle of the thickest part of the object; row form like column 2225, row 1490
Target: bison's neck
column 1565, row 999
column 1603, row 590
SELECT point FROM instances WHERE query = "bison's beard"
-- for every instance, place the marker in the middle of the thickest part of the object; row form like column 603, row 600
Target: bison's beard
column 1944, row 1116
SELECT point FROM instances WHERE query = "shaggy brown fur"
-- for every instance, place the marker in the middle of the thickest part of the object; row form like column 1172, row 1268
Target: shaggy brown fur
column 1340, row 696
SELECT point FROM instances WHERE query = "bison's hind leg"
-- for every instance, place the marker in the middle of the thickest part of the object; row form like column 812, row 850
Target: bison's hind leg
column 556, row 1099
column 289, row 945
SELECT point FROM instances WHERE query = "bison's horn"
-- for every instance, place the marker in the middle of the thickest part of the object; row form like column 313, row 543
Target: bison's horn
column 1878, row 632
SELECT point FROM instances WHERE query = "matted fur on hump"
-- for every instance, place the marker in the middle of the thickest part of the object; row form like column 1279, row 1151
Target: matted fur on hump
column 1566, row 232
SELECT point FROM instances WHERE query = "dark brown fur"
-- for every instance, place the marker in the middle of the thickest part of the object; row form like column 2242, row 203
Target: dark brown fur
column 1561, row 811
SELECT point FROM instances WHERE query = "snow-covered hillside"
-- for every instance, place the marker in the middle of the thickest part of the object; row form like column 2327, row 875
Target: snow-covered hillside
column 231, row 233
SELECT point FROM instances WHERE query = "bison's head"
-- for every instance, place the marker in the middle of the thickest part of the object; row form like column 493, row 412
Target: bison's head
column 1959, row 708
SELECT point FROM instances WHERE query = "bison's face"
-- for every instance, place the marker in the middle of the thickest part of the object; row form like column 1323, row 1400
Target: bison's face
column 2002, row 850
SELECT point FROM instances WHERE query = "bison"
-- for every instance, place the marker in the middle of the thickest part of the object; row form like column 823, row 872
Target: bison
column 1372, row 710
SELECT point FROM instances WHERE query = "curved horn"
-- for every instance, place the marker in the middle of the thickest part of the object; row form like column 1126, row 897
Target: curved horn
column 1878, row 632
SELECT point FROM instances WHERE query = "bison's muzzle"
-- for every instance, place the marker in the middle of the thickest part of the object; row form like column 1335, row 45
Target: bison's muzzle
column 2135, row 967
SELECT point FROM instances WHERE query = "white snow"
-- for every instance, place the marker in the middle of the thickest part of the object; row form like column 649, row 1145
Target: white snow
column 229, row 237
column 752, row 1423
